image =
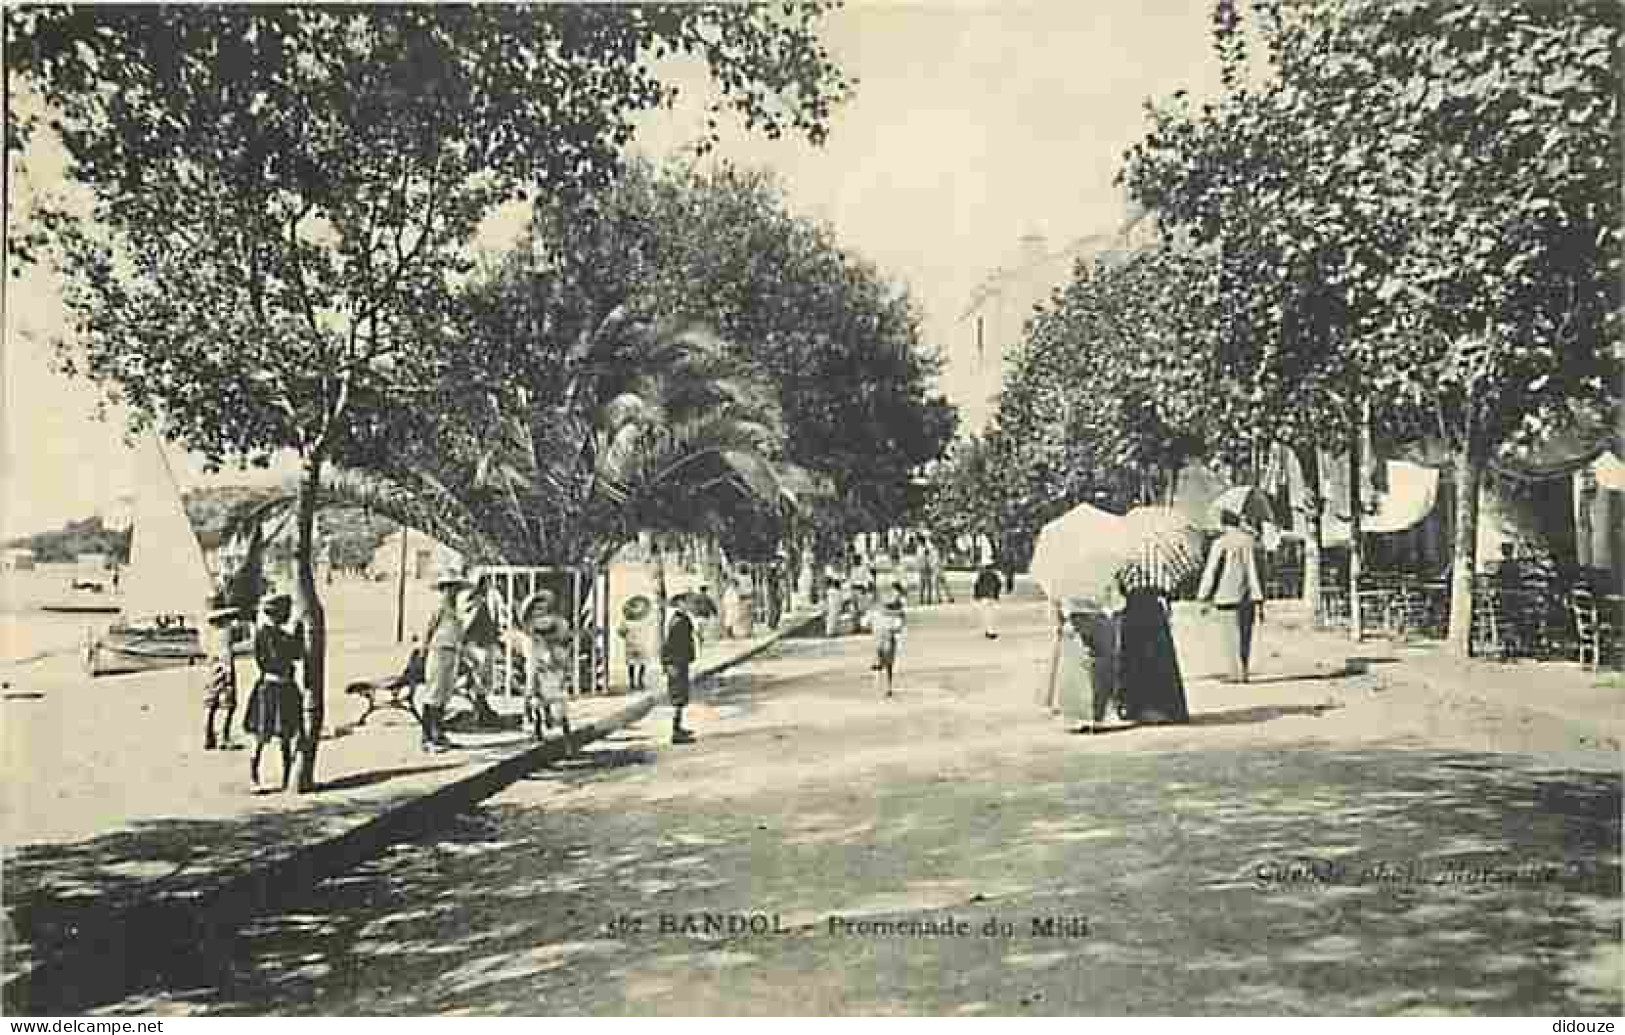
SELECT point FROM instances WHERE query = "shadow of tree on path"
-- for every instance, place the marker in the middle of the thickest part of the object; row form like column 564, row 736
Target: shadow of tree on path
column 1259, row 713
column 507, row 912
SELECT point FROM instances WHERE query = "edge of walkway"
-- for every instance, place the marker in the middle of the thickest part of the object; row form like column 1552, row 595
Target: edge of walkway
column 139, row 943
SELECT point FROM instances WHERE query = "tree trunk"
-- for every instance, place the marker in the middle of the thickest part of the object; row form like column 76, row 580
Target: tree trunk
column 1584, row 530
column 1356, row 534
column 1467, row 469
column 1314, row 508
column 400, row 591
column 314, row 621
column 712, row 573
column 660, row 583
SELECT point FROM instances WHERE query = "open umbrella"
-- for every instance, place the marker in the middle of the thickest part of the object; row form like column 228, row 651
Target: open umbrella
column 1165, row 548
column 1079, row 553
column 1246, row 501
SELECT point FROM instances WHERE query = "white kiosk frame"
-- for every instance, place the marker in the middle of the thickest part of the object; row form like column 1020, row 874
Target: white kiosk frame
column 583, row 601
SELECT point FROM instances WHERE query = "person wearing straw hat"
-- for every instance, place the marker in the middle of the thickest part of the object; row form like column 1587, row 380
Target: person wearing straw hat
column 443, row 655
column 638, row 634
column 221, row 693
column 274, row 705
column 547, row 646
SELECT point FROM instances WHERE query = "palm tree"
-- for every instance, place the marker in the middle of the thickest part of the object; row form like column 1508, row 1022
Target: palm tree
column 648, row 426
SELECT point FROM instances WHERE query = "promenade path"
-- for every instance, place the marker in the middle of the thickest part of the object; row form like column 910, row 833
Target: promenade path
column 122, row 834
column 1331, row 838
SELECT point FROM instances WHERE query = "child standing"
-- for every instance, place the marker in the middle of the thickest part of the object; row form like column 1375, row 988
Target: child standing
column 274, row 706
column 221, row 696
column 887, row 621
column 547, row 651
column 676, row 656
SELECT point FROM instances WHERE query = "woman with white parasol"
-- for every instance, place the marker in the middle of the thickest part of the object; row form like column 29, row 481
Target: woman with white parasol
column 1106, row 575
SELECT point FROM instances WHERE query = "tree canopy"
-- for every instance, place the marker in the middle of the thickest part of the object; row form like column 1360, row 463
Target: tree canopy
column 837, row 341
column 282, row 198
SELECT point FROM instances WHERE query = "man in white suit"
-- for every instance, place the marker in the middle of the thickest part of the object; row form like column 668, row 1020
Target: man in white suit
column 1230, row 583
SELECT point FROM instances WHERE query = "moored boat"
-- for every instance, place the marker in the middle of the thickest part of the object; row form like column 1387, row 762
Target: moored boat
column 166, row 586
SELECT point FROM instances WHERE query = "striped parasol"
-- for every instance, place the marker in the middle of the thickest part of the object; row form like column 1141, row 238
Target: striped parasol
column 1247, row 502
column 1166, row 549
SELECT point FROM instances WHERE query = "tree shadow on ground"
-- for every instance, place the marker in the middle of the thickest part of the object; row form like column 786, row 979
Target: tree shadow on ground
column 1179, row 858
column 592, row 762
column 1259, row 713
column 102, row 903
column 377, row 776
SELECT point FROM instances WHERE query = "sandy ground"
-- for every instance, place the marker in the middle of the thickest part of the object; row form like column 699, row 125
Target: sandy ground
column 1316, row 842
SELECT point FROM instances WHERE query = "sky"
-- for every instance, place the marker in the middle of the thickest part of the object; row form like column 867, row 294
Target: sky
column 971, row 125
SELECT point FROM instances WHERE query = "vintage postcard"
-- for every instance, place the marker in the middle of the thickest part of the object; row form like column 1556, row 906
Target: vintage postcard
column 940, row 508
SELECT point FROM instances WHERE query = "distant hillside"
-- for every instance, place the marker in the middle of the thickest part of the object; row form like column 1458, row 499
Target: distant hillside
column 351, row 533
column 87, row 535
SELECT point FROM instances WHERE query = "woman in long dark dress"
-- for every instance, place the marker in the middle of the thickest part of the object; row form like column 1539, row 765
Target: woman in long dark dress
column 1148, row 667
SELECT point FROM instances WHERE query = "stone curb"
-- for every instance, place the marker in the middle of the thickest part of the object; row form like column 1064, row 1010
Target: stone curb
column 136, row 945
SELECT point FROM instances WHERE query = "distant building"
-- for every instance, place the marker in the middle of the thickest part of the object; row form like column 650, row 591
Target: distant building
column 425, row 557
column 17, row 558
column 119, row 515
column 994, row 321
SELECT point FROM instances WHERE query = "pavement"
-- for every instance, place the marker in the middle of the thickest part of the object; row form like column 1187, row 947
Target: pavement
column 123, row 838
column 96, row 909
column 1332, row 838
column 1590, row 703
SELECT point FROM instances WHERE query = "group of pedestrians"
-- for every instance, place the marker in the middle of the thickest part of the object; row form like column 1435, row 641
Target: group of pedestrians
column 1116, row 645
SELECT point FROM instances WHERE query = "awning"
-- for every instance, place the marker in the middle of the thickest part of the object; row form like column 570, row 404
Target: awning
column 1412, row 490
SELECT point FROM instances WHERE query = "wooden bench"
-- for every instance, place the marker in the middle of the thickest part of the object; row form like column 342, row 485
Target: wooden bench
column 395, row 692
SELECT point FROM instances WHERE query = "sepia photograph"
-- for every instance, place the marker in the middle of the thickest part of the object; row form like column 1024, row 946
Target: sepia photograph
column 946, row 508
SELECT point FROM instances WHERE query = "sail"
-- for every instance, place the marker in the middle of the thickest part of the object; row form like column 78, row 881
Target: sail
column 166, row 574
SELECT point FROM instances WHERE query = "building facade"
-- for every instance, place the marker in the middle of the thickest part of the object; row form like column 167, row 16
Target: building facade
column 993, row 323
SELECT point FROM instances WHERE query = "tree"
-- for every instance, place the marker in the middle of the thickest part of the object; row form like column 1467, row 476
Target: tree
column 839, row 343
column 1107, row 396
column 283, row 196
column 1421, row 210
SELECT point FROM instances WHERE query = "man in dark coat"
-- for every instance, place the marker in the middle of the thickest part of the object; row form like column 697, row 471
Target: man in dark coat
column 676, row 655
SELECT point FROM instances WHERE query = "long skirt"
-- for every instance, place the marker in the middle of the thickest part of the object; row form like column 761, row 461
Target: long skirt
column 1153, row 689
column 1086, row 673
column 274, row 709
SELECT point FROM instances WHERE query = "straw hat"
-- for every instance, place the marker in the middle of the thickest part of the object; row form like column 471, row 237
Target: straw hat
column 636, row 609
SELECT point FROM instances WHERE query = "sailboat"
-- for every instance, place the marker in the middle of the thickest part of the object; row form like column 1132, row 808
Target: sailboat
column 166, row 583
